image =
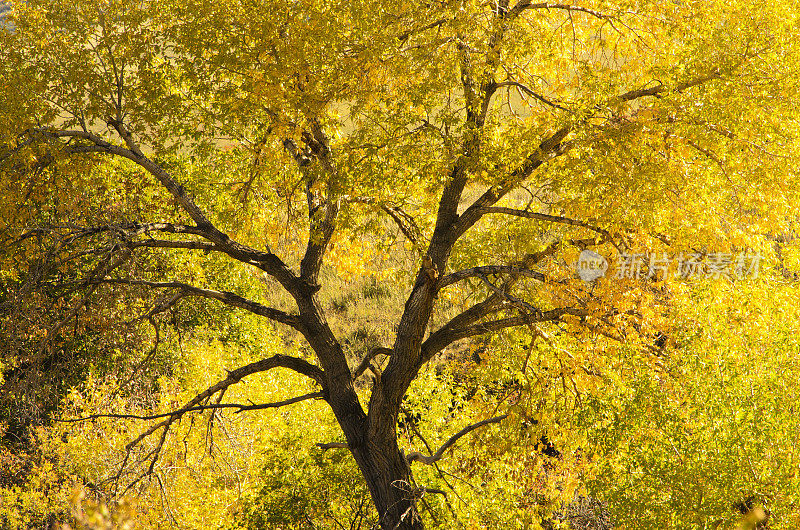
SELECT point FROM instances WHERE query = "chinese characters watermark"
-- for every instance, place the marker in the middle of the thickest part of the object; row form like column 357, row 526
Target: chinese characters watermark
column 591, row 265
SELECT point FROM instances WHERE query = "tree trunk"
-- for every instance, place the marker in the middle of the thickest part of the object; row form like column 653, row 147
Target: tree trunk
column 372, row 441
column 383, row 466
column 391, row 484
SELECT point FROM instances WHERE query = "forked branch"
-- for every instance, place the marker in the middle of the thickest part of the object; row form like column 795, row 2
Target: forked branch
column 435, row 457
column 551, row 147
column 234, row 376
column 405, row 222
column 82, row 141
column 449, row 334
column 367, row 360
column 530, row 92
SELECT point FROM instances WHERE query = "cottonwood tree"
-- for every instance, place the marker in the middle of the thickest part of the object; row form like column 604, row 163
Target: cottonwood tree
column 500, row 138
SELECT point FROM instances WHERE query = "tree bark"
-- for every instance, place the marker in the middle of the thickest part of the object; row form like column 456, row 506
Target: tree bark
column 390, row 483
column 382, row 463
column 383, row 466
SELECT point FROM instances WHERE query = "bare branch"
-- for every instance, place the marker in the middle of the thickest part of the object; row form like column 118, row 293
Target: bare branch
column 550, row 147
column 234, row 376
column 225, row 297
column 172, row 228
column 526, row 4
column 125, row 232
column 199, row 408
column 448, row 334
column 126, row 135
column 531, row 93
column 429, row 460
column 322, row 210
column 436, row 491
column 323, row 225
column 659, row 89
column 300, row 156
column 545, row 217
column 265, row 260
column 404, row 36
column 405, row 222
column 162, row 305
column 465, row 321
column 333, row 445
column 468, row 81
column 489, row 269
column 520, row 268
column 132, row 231
column 99, row 145
column 365, row 362
column 166, row 243
column 655, row 91
column 96, row 275
column 508, row 297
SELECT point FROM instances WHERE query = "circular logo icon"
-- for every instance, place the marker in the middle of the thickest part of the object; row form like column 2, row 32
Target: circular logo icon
column 591, row 265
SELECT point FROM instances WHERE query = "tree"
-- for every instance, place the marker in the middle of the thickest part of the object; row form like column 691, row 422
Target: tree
column 499, row 138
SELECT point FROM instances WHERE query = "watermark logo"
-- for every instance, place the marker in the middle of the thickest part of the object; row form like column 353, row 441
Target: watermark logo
column 592, row 265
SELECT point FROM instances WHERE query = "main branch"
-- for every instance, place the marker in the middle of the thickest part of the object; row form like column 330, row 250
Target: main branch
column 88, row 142
column 449, row 333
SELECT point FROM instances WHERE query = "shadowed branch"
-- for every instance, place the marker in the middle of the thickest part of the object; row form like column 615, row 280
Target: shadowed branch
column 545, row 217
column 429, row 460
column 449, row 334
column 225, row 297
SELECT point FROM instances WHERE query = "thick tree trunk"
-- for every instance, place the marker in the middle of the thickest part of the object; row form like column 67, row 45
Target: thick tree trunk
column 382, row 464
column 391, row 485
column 372, row 440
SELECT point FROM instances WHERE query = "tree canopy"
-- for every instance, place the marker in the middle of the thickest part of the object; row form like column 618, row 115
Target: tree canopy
column 226, row 162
